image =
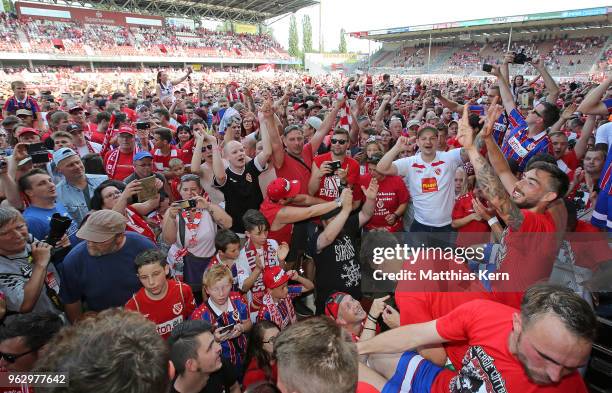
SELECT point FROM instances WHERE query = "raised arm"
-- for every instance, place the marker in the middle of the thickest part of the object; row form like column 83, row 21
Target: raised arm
column 504, row 90
column 218, row 168
column 334, row 227
column 385, row 165
column 196, row 159
column 367, row 210
column 487, row 179
column 452, row 105
column 549, row 82
column 326, row 125
column 291, row 215
column 592, row 104
column 587, row 130
column 494, row 154
column 266, row 119
column 182, row 78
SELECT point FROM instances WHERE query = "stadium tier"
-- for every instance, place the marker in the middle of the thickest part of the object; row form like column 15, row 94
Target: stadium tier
column 120, row 37
column 577, row 44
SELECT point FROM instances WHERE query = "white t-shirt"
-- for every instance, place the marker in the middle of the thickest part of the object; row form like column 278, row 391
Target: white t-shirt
column 244, row 269
column 604, row 135
column 431, row 185
column 204, row 245
column 84, row 150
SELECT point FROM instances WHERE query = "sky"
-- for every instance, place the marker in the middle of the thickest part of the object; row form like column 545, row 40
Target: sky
column 360, row 15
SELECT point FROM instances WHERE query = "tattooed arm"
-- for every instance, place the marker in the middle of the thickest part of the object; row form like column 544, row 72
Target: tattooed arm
column 487, row 179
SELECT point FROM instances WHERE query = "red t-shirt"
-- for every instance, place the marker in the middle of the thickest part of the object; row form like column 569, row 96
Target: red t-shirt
column 463, row 208
column 569, row 161
column 293, row 169
column 97, row 137
column 160, row 161
column 419, row 307
column 527, row 254
column 186, row 152
column 392, row 192
column 255, row 374
column 168, row 312
column 328, row 188
column 488, row 365
column 270, row 209
column 124, row 167
column 131, row 114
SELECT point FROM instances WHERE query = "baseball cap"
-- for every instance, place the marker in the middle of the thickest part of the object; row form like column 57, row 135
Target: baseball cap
column 23, row 112
column 282, row 188
column 102, row 225
column 314, row 122
column 75, row 108
column 274, row 277
column 298, row 105
column 142, row 154
column 10, row 120
column 74, row 128
column 332, row 304
column 413, row 123
column 127, row 130
column 25, row 130
column 61, row 154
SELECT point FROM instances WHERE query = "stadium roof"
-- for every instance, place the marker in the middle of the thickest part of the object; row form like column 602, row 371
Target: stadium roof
column 250, row 11
column 564, row 20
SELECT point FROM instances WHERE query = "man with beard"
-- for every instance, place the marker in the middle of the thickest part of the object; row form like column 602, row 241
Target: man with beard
column 100, row 270
column 509, row 350
column 529, row 243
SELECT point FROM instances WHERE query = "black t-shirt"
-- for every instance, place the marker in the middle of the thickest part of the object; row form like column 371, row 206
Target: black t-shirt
column 242, row 192
column 218, row 382
column 337, row 265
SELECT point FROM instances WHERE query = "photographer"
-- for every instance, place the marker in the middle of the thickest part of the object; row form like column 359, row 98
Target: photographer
column 27, row 279
column 191, row 226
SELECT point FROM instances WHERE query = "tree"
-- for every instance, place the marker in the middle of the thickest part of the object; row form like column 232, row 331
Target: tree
column 307, row 34
column 342, row 46
column 294, row 45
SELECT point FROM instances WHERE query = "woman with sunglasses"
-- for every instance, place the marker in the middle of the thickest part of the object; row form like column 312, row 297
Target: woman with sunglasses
column 115, row 195
column 259, row 362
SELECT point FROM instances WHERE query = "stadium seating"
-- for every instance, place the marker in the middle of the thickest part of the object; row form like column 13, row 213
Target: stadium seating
column 37, row 36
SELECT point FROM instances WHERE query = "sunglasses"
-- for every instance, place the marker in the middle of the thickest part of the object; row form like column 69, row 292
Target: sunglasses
column 12, row 358
column 537, row 113
column 338, row 141
column 207, row 147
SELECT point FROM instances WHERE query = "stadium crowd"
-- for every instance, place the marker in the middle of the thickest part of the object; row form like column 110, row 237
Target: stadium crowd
column 192, row 232
column 45, row 36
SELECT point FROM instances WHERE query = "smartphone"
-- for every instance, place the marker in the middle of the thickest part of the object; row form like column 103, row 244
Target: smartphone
column 436, row 93
column 335, row 165
column 225, row 329
column 186, row 203
column 39, row 153
column 143, row 125
column 487, row 67
column 526, row 100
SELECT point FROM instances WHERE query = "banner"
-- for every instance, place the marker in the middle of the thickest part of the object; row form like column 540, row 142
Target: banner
column 245, row 28
column 84, row 15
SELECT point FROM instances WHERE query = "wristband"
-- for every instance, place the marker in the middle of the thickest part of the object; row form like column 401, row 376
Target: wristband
column 371, row 318
column 492, row 221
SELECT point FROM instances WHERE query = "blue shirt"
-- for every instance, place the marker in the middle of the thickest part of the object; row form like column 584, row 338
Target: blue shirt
column 73, row 198
column 106, row 281
column 39, row 219
column 519, row 145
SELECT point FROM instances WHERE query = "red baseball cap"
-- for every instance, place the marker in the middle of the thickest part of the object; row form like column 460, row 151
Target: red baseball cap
column 274, row 277
column 127, row 130
column 299, row 105
column 332, row 304
column 282, row 188
column 25, row 130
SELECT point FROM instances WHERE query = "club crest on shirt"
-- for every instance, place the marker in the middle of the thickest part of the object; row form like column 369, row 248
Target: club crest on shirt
column 249, row 178
column 438, row 171
column 177, row 308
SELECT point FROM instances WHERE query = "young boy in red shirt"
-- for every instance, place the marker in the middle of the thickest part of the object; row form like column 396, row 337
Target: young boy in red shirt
column 164, row 301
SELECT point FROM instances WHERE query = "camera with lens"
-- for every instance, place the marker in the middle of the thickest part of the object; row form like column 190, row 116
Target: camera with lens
column 143, row 125
column 187, row 203
column 521, row 58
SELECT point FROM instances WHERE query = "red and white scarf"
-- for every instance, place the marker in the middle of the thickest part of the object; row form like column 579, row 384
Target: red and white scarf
column 192, row 222
column 269, row 260
column 111, row 162
column 275, row 314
